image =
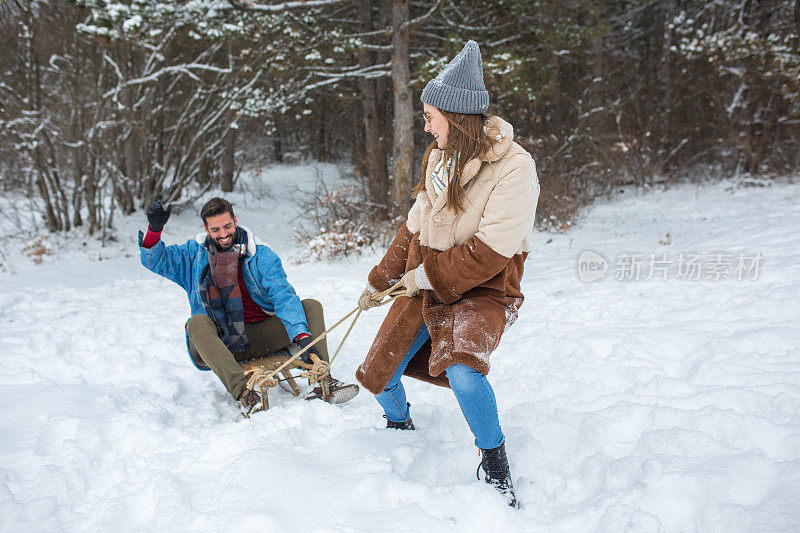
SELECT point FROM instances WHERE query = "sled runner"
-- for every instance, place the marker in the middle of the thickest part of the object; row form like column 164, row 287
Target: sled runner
column 281, row 367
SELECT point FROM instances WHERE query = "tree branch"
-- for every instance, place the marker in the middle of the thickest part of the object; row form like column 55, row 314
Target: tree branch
column 419, row 20
column 184, row 69
column 279, row 8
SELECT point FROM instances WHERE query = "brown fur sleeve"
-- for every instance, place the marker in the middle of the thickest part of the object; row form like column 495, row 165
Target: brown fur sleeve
column 393, row 265
column 461, row 268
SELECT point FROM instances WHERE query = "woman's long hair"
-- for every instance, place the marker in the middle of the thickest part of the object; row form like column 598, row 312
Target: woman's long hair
column 466, row 140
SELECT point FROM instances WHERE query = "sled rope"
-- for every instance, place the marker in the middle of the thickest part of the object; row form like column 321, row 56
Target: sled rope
column 319, row 369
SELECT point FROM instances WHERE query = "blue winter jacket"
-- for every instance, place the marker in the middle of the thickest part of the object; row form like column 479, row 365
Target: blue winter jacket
column 262, row 272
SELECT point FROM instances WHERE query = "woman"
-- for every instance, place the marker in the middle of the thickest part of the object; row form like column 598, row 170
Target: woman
column 460, row 257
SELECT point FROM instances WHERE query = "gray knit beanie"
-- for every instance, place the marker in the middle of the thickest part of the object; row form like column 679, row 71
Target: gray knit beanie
column 459, row 87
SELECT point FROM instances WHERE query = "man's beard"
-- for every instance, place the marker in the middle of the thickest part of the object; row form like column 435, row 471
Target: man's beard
column 228, row 246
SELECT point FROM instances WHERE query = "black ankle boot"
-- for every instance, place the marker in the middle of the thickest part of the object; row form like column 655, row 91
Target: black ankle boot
column 405, row 424
column 495, row 464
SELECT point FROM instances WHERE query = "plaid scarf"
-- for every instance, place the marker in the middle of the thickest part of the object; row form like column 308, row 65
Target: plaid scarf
column 440, row 176
column 220, row 293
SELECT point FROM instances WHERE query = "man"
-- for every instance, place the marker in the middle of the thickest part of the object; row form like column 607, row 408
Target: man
column 242, row 305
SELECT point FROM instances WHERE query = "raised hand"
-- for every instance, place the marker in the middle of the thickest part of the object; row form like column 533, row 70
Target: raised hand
column 157, row 216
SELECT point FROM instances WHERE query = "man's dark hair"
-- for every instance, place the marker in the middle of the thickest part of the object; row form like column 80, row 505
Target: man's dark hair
column 215, row 206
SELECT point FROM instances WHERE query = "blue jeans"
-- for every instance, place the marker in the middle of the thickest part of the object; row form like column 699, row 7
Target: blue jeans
column 472, row 390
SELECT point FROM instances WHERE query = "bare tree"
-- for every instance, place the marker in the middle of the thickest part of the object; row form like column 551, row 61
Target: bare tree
column 403, row 141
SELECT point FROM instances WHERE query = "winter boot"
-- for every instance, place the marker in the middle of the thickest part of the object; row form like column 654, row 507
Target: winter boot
column 405, row 424
column 495, row 465
column 251, row 402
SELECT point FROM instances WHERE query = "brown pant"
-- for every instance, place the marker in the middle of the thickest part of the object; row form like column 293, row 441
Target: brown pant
column 265, row 337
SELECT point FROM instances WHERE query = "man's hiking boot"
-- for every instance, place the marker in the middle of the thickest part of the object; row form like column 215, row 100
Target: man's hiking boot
column 405, row 424
column 251, row 402
column 495, row 465
column 337, row 391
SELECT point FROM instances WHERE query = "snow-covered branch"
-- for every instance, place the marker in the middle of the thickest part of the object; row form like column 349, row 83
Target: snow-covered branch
column 466, row 27
column 419, row 20
column 355, row 71
column 278, row 8
column 184, row 69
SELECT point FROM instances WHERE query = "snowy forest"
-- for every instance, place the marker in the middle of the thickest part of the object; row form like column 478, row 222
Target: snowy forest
column 106, row 105
column 611, row 313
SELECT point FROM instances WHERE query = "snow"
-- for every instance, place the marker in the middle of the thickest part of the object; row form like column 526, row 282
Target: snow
column 645, row 405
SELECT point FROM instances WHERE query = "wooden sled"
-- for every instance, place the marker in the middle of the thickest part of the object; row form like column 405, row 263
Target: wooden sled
column 268, row 372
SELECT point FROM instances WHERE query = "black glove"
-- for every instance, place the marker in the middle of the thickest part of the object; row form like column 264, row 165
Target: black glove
column 302, row 343
column 157, row 216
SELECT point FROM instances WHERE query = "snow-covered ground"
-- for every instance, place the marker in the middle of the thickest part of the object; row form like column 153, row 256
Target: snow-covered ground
column 649, row 405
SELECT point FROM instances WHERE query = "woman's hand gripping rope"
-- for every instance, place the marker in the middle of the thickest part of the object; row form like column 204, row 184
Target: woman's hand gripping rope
column 318, row 369
column 373, row 298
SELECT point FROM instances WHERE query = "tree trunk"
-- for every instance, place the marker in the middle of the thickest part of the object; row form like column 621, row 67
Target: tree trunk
column 228, row 160
column 374, row 128
column 403, row 145
column 130, row 145
column 796, row 26
column 277, row 144
column 598, row 71
column 229, row 153
column 66, row 225
column 50, row 219
column 554, row 70
column 77, row 154
column 666, row 118
column 323, row 153
column 90, row 192
column 554, row 88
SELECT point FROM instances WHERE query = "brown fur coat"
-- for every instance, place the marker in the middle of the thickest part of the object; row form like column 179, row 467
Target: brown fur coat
column 474, row 260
